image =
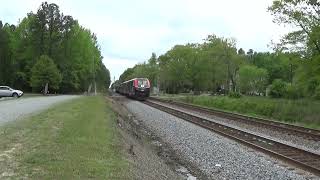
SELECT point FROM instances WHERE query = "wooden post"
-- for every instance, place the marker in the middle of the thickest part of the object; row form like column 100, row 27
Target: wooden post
column 89, row 89
column 46, row 89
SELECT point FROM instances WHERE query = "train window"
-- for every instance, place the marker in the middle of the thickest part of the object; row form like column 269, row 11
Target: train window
column 143, row 83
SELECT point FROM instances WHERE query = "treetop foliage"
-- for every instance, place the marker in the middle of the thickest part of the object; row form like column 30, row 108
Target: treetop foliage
column 217, row 66
column 45, row 71
column 303, row 14
column 49, row 34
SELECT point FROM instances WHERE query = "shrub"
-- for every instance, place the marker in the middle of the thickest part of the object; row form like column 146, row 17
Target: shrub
column 278, row 88
column 265, row 109
column 292, row 92
column 234, row 94
column 45, row 71
column 317, row 93
column 189, row 99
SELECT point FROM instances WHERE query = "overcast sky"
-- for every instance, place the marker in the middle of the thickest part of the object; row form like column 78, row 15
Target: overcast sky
column 129, row 31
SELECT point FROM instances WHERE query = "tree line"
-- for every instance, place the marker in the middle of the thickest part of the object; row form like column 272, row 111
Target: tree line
column 48, row 47
column 292, row 70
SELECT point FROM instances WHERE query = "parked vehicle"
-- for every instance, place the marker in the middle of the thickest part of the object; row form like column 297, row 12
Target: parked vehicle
column 6, row 91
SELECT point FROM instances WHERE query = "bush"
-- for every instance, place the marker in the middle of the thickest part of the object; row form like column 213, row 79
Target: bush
column 278, row 88
column 45, row 71
column 189, row 99
column 265, row 109
column 234, row 94
column 317, row 93
column 292, row 92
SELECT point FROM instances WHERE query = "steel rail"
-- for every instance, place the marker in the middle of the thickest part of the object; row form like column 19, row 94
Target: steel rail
column 305, row 160
column 306, row 133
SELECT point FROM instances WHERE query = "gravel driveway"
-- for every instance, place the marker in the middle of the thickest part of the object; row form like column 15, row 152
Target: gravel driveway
column 214, row 155
column 11, row 110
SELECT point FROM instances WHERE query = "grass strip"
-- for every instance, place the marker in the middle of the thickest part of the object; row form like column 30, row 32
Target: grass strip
column 74, row 140
column 303, row 112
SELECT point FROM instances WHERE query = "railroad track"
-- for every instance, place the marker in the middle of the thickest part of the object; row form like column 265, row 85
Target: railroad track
column 300, row 158
column 306, row 133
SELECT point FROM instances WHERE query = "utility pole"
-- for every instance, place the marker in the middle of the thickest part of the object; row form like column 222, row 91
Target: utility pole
column 94, row 78
column 291, row 73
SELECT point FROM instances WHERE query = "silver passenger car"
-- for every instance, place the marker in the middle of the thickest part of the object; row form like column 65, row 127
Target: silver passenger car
column 6, row 91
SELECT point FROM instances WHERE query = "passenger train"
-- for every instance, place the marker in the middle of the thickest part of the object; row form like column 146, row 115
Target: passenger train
column 138, row 88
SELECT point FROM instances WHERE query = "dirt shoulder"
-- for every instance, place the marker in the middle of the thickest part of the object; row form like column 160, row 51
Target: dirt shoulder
column 148, row 157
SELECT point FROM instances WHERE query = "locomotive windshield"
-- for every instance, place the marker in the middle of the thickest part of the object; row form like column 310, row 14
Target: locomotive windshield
column 143, row 83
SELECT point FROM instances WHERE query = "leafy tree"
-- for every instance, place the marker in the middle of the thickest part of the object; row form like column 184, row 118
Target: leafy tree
column 217, row 65
column 279, row 65
column 252, row 80
column 293, row 92
column 172, row 69
column 307, row 77
column 45, row 72
column 126, row 75
column 278, row 88
column 104, row 79
column 192, row 67
column 317, row 93
column 6, row 63
column 241, row 52
column 304, row 14
column 73, row 49
column 250, row 52
column 153, row 70
column 224, row 53
column 149, row 69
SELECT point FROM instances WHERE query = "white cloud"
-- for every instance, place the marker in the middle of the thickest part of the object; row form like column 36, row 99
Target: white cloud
column 118, row 65
column 129, row 31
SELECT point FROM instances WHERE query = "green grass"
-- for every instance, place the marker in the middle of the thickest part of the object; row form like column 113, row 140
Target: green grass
column 75, row 140
column 31, row 95
column 302, row 112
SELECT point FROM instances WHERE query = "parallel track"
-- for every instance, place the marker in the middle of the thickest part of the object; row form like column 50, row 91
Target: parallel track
column 302, row 159
column 306, row 133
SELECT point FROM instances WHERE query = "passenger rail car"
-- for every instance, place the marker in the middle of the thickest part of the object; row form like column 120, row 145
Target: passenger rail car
column 138, row 88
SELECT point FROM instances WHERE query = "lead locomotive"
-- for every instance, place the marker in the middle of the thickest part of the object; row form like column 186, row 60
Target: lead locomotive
column 138, row 88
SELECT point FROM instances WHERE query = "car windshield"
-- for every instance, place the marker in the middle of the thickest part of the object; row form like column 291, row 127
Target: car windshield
column 5, row 88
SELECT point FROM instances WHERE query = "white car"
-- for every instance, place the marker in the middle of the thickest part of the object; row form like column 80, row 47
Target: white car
column 6, row 91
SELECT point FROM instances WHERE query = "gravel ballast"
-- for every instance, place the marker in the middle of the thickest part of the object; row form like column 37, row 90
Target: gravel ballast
column 214, row 155
column 14, row 109
column 277, row 135
column 141, row 151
